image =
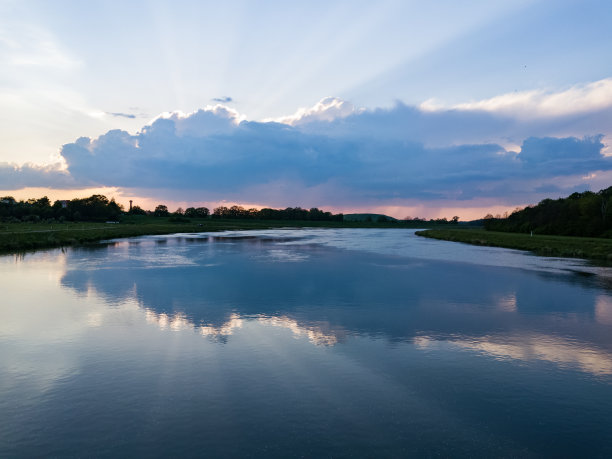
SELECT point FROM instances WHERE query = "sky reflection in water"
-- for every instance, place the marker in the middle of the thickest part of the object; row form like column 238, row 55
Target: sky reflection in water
column 304, row 341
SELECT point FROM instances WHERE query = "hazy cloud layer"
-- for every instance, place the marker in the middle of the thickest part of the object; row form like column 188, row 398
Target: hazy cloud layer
column 337, row 154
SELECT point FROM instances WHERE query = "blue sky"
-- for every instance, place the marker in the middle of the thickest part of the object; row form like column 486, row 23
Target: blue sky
column 403, row 107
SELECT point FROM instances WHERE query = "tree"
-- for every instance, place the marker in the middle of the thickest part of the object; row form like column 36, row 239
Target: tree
column 237, row 212
column 43, row 202
column 137, row 210
column 200, row 212
column 316, row 214
column 94, row 208
column 220, row 212
column 161, row 211
column 580, row 214
column 268, row 214
column 114, row 210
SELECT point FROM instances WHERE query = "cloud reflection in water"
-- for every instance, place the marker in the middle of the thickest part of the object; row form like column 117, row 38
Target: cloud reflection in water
column 562, row 352
column 369, row 286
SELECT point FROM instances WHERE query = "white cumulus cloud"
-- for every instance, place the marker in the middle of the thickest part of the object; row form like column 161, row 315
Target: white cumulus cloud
column 327, row 109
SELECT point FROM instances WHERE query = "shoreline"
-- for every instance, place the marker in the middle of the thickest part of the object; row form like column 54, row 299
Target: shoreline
column 597, row 250
column 21, row 238
column 17, row 238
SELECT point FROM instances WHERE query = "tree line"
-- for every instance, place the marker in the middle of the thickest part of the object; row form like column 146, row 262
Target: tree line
column 239, row 212
column 100, row 208
column 438, row 221
column 94, row 208
column 290, row 213
column 580, row 214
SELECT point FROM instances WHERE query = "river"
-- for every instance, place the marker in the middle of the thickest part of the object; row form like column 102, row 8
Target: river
column 303, row 342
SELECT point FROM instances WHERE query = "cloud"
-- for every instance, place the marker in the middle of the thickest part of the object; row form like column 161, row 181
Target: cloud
column 585, row 98
column 13, row 177
column 327, row 109
column 121, row 115
column 336, row 154
column 454, row 126
column 509, row 118
column 222, row 100
column 212, row 151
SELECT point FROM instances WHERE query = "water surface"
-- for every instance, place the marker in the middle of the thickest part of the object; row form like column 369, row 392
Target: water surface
column 303, row 343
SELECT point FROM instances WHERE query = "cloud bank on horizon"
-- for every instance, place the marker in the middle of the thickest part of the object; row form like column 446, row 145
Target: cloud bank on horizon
column 515, row 148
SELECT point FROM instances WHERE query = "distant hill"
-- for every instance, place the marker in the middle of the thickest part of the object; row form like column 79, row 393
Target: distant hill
column 368, row 218
column 580, row 214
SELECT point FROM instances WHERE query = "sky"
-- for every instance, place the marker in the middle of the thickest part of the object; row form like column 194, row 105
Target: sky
column 413, row 108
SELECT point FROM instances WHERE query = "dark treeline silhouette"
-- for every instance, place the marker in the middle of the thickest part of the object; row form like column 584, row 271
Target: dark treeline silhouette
column 290, row 213
column 196, row 212
column 437, row 221
column 580, row 214
column 93, row 208
column 100, row 208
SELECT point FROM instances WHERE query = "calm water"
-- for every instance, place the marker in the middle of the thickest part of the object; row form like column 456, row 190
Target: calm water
column 303, row 343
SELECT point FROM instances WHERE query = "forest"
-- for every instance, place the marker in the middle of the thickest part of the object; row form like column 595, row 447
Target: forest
column 580, row 214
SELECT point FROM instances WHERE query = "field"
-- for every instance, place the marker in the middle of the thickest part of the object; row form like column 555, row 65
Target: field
column 554, row 246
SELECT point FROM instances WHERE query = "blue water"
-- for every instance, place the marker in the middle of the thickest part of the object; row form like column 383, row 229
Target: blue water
column 300, row 343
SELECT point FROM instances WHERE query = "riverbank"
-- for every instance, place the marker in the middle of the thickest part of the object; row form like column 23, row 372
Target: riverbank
column 21, row 237
column 598, row 249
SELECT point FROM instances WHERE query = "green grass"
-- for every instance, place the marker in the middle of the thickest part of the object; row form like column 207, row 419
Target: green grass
column 20, row 237
column 598, row 249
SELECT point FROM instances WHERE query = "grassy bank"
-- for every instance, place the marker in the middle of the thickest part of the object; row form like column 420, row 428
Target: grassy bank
column 554, row 246
column 19, row 237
